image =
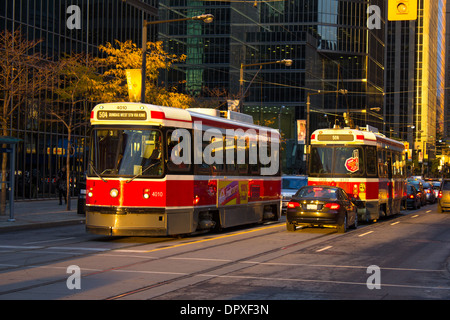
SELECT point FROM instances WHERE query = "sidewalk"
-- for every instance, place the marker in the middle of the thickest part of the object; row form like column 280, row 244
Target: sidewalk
column 40, row 214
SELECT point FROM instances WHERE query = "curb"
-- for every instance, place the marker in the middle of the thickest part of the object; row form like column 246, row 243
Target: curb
column 39, row 225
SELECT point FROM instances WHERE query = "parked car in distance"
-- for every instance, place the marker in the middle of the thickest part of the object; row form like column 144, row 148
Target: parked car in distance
column 412, row 198
column 419, row 187
column 436, row 187
column 429, row 192
column 289, row 186
column 444, row 196
column 321, row 206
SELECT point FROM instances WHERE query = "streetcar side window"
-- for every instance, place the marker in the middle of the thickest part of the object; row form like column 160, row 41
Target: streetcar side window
column 371, row 160
column 176, row 148
column 219, row 154
column 202, row 168
column 253, row 159
column 230, row 155
column 242, row 145
column 382, row 163
column 212, row 157
column 397, row 167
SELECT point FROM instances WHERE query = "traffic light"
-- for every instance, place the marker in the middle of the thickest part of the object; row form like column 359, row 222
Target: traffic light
column 402, row 10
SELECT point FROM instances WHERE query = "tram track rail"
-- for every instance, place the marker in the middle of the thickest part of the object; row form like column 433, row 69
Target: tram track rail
column 208, row 270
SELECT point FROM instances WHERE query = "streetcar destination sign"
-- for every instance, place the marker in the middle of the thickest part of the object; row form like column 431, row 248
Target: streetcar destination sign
column 121, row 115
column 335, row 137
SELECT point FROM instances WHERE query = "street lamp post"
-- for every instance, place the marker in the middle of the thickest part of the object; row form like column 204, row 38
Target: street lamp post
column 286, row 62
column 206, row 18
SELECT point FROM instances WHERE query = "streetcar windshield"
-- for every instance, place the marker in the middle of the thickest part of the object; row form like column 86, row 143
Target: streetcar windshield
column 126, row 152
column 337, row 160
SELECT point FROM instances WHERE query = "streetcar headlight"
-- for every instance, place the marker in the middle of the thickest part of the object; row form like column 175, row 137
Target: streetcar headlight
column 90, row 194
column 114, row 193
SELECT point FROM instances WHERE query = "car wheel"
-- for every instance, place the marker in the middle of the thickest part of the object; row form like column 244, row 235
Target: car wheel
column 290, row 226
column 355, row 225
column 342, row 228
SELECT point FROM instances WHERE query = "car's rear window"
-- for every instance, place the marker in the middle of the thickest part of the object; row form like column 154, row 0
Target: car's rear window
column 317, row 192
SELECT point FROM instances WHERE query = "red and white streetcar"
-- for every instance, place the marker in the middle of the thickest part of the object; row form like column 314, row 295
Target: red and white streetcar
column 157, row 170
column 367, row 165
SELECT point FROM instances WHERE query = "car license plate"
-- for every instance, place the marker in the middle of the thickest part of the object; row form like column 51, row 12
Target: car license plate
column 311, row 206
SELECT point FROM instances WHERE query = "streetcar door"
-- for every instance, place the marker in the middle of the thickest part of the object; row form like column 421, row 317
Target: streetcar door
column 390, row 185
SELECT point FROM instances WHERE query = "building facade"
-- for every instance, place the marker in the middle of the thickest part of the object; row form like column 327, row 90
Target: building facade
column 328, row 41
column 65, row 27
column 415, row 79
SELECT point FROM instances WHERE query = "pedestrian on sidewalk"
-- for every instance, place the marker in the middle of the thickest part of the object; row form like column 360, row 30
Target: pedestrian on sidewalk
column 61, row 183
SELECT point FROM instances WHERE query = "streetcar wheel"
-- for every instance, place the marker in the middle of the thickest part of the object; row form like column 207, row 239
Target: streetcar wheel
column 290, row 226
column 217, row 226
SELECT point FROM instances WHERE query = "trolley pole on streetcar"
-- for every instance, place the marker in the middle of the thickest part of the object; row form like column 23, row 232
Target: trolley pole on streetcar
column 308, row 109
column 286, row 62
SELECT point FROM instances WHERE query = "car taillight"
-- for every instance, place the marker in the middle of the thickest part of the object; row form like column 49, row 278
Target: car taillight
column 333, row 206
column 440, row 194
column 411, row 196
column 293, row 205
column 427, row 191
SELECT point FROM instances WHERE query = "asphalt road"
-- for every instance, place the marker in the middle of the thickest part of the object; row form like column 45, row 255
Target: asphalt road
column 403, row 257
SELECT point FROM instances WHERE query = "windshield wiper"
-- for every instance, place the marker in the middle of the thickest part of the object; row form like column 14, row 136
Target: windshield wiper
column 140, row 174
column 95, row 171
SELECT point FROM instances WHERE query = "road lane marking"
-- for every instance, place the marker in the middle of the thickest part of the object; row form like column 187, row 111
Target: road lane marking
column 306, row 265
column 335, row 266
column 137, row 251
column 53, row 248
column 428, row 211
column 21, row 247
column 321, row 281
column 78, row 248
column 215, row 238
column 394, row 223
column 323, row 249
column 44, row 241
column 414, row 216
column 364, row 234
column 200, row 259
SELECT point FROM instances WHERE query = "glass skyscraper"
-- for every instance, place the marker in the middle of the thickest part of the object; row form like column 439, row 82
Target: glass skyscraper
column 40, row 155
column 415, row 79
column 328, row 40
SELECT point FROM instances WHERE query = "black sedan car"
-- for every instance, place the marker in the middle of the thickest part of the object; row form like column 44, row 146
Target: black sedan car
column 413, row 198
column 429, row 192
column 419, row 187
column 321, row 206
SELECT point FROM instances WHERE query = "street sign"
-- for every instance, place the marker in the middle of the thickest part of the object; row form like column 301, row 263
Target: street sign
column 399, row 10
